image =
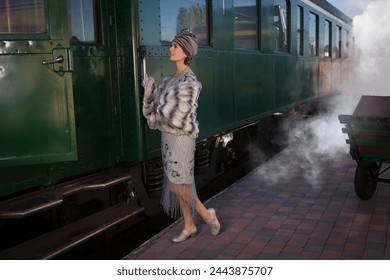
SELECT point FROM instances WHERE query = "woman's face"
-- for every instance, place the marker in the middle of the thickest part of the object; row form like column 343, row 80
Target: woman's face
column 177, row 53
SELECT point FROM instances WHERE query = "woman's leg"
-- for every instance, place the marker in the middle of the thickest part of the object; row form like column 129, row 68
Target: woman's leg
column 185, row 198
column 202, row 211
column 209, row 216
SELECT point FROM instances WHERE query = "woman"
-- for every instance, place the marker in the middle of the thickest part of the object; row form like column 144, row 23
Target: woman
column 171, row 108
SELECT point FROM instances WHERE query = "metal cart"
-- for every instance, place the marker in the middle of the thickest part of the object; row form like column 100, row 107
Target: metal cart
column 368, row 130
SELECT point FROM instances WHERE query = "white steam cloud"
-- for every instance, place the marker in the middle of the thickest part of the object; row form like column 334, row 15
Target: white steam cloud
column 320, row 138
column 372, row 37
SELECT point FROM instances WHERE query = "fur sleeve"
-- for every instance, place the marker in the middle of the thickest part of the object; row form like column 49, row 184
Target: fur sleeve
column 149, row 103
column 178, row 105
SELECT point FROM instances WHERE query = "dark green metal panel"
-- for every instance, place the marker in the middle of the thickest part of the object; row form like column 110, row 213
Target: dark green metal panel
column 285, row 82
column 36, row 102
column 215, row 108
column 17, row 178
column 130, row 57
column 37, row 123
column 247, row 85
column 325, row 78
column 254, row 86
column 216, row 102
column 267, row 86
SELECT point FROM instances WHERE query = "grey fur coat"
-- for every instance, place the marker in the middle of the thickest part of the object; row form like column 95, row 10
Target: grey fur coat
column 171, row 107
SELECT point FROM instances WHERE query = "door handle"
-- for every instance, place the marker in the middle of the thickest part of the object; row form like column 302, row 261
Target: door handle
column 59, row 59
column 144, row 74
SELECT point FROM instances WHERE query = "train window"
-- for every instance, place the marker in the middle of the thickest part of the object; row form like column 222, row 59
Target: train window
column 346, row 43
column 245, row 24
column 300, row 28
column 328, row 39
column 22, row 17
column 282, row 25
column 177, row 14
column 83, row 21
column 338, row 42
column 313, row 34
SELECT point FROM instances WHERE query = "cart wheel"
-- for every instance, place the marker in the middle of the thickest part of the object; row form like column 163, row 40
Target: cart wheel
column 366, row 180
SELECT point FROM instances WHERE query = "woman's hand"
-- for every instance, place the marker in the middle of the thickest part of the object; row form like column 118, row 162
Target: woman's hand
column 144, row 80
column 149, row 89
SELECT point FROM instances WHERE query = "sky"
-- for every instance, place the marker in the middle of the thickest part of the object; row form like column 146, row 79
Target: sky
column 351, row 7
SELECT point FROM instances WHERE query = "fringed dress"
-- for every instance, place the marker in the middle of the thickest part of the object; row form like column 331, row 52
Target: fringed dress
column 171, row 108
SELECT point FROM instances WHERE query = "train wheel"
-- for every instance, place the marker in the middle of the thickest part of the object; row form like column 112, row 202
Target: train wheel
column 366, row 180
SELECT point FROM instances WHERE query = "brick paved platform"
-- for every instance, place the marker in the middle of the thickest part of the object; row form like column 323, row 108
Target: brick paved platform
column 288, row 218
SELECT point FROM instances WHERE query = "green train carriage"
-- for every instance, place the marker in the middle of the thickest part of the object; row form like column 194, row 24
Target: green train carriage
column 71, row 126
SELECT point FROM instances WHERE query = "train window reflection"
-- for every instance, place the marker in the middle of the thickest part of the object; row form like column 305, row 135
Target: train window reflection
column 245, row 24
column 338, row 42
column 328, row 39
column 300, row 28
column 22, row 17
column 178, row 14
column 346, row 43
column 313, row 34
column 83, row 20
column 282, row 25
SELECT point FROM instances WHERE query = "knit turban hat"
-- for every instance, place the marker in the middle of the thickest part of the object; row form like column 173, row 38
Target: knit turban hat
column 188, row 42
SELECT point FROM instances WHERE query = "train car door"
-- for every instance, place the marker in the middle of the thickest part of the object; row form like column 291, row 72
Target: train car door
column 36, row 101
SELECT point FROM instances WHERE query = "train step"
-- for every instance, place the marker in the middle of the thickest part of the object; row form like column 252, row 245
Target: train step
column 50, row 197
column 59, row 241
